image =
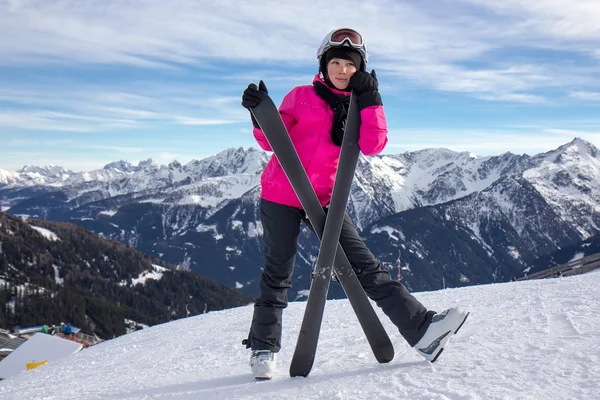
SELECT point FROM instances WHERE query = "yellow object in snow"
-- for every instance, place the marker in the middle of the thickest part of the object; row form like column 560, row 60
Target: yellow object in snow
column 33, row 365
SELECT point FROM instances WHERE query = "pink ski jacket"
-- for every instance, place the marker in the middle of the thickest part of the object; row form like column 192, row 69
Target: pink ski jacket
column 308, row 119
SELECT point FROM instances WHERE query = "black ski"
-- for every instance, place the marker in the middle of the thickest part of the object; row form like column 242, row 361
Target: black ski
column 306, row 346
column 270, row 122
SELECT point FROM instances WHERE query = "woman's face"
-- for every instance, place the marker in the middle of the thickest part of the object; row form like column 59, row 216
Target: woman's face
column 340, row 71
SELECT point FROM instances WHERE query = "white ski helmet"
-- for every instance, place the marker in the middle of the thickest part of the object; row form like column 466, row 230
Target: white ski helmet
column 343, row 37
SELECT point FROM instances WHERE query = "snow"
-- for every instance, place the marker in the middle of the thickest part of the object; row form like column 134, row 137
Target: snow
column 211, row 192
column 110, row 213
column 57, row 277
column 427, row 166
column 577, row 256
column 234, row 250
column 155, row 274
column 159, row 268
column 392, row 232
column 514, row 253
column 48, row 234
column 568, row 178
column 523, row 340
column 209, row 228
column 7, row 176
column 235, row 224
column 255, row 229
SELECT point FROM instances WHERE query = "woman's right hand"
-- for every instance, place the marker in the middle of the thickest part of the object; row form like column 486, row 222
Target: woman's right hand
column 251, row 97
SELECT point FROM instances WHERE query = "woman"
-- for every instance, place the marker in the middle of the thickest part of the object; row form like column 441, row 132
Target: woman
column 314, row 116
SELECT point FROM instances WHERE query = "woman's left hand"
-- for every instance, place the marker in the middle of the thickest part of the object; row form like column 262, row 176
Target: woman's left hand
column 367, row 88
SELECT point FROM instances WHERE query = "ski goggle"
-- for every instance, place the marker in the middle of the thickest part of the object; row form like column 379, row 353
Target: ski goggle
column 350, row 36
column 342, row 37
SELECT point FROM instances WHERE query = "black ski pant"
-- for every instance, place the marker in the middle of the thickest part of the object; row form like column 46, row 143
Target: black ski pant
column 281, row 227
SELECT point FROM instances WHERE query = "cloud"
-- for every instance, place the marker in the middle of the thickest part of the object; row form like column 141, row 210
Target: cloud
column 531, row 139
column 41, row 120
column 78, row 145
column 166, row 158
column 595, row 96
column 88, row 107
column 106, row 68
column 146, row 33
column 562, row 19
column 504, row 84
column 117, row 149
column 593, row 136
column 201, row 121
column 460, row 46
column 515, row 97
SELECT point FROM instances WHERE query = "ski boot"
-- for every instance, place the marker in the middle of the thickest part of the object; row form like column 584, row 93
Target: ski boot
column 263, row 363
column 441, row 328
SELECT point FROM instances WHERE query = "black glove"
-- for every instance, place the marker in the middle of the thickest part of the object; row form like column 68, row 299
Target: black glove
column 367, row 88
column 251, row 98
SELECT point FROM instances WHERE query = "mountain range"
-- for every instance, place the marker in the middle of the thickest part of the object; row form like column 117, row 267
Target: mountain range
column 436, row 217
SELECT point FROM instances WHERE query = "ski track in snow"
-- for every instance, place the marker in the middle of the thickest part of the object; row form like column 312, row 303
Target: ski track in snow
column 523, row 340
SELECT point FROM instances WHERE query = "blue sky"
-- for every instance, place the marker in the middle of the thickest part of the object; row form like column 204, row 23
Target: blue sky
column 87, row 82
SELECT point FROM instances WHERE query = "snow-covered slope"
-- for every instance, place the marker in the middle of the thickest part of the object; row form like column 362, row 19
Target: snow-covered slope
column 523, row 340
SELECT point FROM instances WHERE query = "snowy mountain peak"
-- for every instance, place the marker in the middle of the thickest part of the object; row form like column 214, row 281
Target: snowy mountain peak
column 34, row 175
column 231, row 161
column 576, row 149
column 30, row 168
column 581, row 147
column 121, row 165
column 48, row 171
column 429, row 158
column 175, row 165
column 583, row 144
column 7, row 177
column 148, row 164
